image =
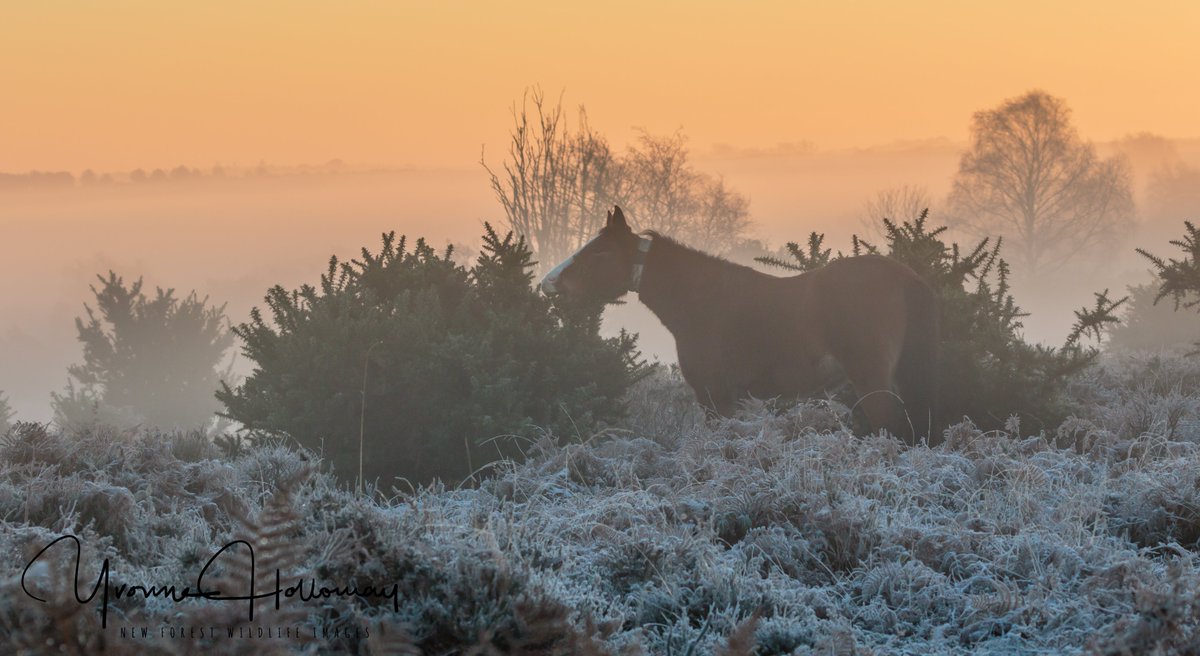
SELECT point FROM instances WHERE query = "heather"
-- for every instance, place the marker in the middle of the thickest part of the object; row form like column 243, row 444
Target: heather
column 774, row 532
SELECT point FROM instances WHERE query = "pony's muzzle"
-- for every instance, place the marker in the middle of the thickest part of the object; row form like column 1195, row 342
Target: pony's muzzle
column 549, row 284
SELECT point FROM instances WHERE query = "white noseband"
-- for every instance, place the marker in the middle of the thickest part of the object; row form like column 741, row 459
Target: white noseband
column 549, row 283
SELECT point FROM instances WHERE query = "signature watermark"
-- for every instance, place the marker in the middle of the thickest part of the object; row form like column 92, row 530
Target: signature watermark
column 298, row 588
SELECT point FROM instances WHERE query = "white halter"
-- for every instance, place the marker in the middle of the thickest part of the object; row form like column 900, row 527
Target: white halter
column 639, row 262
column 549, row 283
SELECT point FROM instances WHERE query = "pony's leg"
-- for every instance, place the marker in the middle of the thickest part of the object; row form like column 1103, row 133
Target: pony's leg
column 717, row 403
column 713, row 393
column 879, row 401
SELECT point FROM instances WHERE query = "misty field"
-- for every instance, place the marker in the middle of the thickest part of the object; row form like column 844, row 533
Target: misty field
column 776, row 532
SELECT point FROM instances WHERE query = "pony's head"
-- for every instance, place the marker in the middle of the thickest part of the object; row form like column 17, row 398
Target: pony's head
column 604, row 268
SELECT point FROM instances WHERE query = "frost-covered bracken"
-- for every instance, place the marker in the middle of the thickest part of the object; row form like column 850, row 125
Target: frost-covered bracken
column 776, row 531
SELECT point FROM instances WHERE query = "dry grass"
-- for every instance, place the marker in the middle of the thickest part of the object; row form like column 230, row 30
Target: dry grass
column 773, row 533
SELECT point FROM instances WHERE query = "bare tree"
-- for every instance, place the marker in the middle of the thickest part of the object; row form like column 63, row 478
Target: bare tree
column 665, row 193
column 1029, row 177
column 662, row 185
column 900, row 203
column 556, row 184
column 722, row 218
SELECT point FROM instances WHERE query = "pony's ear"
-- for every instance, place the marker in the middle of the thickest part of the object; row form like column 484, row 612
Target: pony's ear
column 616, row 218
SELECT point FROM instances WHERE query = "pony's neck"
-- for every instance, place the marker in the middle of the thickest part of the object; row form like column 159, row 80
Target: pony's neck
column 678, row 283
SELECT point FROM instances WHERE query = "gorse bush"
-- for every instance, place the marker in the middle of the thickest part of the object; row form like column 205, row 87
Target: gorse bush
column 1149, row 325
column 988, row 372
column 6, row 414
column 439, row 369
column 152, row 361
column 1179, row 278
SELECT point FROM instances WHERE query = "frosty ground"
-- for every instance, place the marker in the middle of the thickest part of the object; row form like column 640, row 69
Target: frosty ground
column 777, row 531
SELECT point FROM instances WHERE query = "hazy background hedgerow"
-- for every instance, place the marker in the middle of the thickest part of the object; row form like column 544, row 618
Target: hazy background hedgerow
column 668, row 534
column 147, row 360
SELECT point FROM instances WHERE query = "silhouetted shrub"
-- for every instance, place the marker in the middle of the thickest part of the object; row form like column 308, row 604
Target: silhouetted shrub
column 6, row 414
column 152, row 361
column 988, row 372
column 1148, row 325
column 439, row 369
column 1179, row 278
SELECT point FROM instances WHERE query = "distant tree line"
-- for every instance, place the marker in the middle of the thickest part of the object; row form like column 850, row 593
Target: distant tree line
column 181, row 173
column 36, row 180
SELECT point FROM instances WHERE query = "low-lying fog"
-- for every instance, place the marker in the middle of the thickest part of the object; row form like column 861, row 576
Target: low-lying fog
column 232, row 238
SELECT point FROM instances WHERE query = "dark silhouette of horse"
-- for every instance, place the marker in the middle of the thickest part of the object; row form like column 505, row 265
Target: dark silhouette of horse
column 741, row 333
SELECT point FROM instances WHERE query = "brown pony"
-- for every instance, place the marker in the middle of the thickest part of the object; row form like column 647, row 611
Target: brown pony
column 741, row 333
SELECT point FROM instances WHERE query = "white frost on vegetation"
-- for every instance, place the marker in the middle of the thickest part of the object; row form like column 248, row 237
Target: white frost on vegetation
column 668, row 534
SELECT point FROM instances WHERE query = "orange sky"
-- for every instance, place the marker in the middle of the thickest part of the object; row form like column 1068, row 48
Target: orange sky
column 119, row 84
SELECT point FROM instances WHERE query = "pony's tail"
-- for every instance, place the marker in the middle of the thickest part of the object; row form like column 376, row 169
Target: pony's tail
column 919, row 365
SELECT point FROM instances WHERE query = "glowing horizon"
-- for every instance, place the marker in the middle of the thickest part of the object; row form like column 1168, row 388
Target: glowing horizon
column 138, row 84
